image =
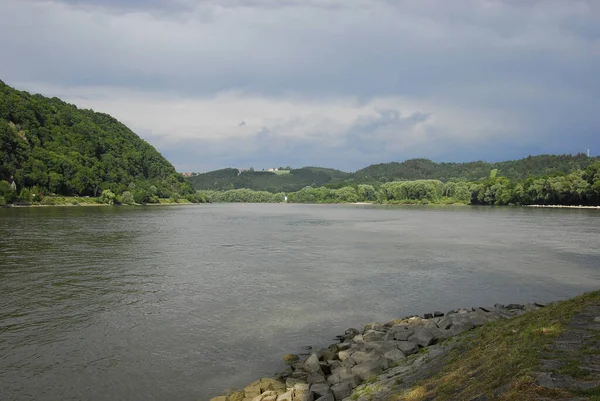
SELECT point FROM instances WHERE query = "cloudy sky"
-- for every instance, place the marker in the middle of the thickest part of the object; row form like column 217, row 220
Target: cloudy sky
column 336, row 83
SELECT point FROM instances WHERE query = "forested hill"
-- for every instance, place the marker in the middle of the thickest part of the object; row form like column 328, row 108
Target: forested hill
column 281, row 181
column 50, row 146
column 542, row 165
column 415, row 169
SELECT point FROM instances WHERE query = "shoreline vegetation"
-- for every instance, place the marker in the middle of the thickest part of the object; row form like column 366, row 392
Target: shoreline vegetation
column 505, row 352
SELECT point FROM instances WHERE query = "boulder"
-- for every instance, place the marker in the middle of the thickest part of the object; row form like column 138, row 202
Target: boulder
column 316, row 378
column 327, row 397
column 263, row 385
column 343, row 346
column 343, row 355
column 302, row 393
column 373, row 326
column 374, row 335
column 312, row 365
column 402, row 333
column 334, row 365
column 459, row 326
column 342, row 375
column 292, row 381
column 437, row 313
column 424, row 337
column 362, row 356
column 220, row 398
column 236, row 396
column 348, row 363
column 351, row 333
column 428, row 316
column 369, row 369
column 342, row 390
column 515, row 306
column 378, row 346
column 394, row 355
column 319, row 390
column 287, row 396
column 444, row 323
column 407, row 347
column 415, row 321
column 290, row 359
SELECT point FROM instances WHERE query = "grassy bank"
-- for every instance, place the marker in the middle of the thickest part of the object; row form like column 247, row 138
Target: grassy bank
column 500, row 359
column 89, row 201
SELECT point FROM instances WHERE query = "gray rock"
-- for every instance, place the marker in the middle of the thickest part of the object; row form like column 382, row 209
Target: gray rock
column 407, row 347
column 326, row 397
column 444, row 323
column 343, row 355
column 424, row 337
column 342, row 375
column 369, row 369
column 334, row 365
column 363, row 356
column 460, row 326
column 342, row 390
column 343, row 346
column 292, row 381
column 374, row 335
column 515, row 306
column 428, row 316
column 415, row 321
column 373, row 326
column 312, row 365
column 394, row 355
column 378, row 346
column 315, row 378
column 351, row 333
column 320, row 389
column 437, row 313
column 348, row 363
column 402, row 333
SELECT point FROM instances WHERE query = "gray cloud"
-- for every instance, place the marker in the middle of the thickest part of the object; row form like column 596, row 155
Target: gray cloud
column 528, row 68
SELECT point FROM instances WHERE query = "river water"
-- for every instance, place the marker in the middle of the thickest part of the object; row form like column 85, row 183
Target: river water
column 183, row 302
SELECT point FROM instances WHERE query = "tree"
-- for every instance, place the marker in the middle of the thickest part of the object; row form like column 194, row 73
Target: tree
column 127, row 198
column 108, row 197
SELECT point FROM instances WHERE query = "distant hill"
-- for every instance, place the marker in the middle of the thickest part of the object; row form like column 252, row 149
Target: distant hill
column 297, row 179
column 414, row 169
column 53, row 146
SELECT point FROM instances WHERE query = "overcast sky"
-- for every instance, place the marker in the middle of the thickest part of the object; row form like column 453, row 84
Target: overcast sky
column 335, row 83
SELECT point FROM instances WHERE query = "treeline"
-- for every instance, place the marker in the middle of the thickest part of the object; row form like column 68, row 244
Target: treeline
column 581, row 187
column 296, row 179
column 409, row 170
column 50, row 147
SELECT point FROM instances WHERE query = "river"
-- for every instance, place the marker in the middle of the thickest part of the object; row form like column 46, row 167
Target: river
column 183, row 302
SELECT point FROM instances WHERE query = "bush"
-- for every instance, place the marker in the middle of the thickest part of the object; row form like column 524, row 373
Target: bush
column 127, row 198
column 108, row 197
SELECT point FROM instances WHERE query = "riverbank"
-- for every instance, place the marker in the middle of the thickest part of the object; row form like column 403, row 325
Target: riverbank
column 512, row 352
column 565, row 206
column 68, row 201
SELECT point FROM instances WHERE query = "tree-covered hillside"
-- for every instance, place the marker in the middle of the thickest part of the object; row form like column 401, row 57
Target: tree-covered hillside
column 49, row 146
column 376, row 174
column 416, row 169
column 295, row 180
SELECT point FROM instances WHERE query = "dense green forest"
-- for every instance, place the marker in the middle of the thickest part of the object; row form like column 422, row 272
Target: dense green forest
column 296, row 179
column 580, row 187
column 415, row 169
column 50, row 147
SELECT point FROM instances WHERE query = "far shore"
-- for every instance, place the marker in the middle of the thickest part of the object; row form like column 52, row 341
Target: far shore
column 565, row 206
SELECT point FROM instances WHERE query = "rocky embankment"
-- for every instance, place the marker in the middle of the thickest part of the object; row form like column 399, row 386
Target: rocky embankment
column 379, row 360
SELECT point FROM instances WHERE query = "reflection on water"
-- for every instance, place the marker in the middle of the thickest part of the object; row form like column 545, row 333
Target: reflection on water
column 180, row 303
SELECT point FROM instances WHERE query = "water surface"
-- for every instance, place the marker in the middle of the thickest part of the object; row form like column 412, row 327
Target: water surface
column 180, row 303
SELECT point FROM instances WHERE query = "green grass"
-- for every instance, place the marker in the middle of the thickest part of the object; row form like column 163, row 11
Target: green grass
column 502, row 355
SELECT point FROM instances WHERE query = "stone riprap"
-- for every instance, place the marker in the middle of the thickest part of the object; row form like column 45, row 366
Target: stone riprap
column 392, row 354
